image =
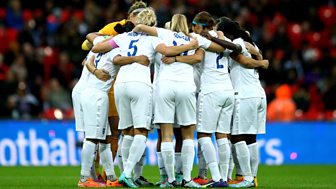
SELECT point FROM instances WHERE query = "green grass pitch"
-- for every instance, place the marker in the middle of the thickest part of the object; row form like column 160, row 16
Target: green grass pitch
column 288, row 177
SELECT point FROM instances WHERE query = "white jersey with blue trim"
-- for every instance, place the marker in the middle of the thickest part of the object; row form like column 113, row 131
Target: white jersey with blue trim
column 204, row 43
column 82, row 82
column 214, row 70
column 104, row 61
column 135, row 44
column 245, row 81
column 176, row 71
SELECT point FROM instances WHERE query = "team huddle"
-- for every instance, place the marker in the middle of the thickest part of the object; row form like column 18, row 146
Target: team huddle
column 205, row 81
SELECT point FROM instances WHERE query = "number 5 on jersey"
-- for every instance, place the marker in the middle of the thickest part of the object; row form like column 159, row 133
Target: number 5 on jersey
column 133, row 46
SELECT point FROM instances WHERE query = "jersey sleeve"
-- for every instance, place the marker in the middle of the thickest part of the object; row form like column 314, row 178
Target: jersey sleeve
column 113, row 53
column 156, row 41
column 118, row 39
column 240, row 42
column 98, row 39
column 109, row 28
column 202, row 41
column 162, row 33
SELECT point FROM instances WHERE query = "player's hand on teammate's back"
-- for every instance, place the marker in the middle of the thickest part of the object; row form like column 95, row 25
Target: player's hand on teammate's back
column 193, row 44
column 168, row 59
column 142, row 59
column 102, row 74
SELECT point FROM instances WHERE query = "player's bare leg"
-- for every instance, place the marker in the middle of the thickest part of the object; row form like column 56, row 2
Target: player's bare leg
column 113, row 140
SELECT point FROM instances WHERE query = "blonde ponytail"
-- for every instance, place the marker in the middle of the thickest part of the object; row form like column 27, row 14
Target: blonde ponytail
column 179, row 24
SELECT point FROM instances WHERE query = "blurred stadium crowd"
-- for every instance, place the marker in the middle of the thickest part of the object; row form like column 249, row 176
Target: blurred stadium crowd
column 41, row 56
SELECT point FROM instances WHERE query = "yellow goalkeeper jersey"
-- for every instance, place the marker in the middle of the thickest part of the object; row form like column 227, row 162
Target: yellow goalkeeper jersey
column 108, row 30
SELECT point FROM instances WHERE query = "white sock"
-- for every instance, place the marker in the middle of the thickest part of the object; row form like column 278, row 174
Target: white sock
column 139, row 165
column 87, row 157
column 210, row 157
column 235, row 161
column 161, row 164
column 178, row 162
column 187, row 155
column 224, row 154
column 167, row 152
column 231, row 163
column 120, row 161
column 93, row 173
column 107, row 159
column 137, row 148
column 243, row 156
column 202, row 166
column 125, row 148
column 254, row 158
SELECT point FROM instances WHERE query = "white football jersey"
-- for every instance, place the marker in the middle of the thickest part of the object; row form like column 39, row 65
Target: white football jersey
column 204, row 43
column 82, row 82
column 135, row 44
column 245, row 81
column 214, row 70
column 104, row 61
column 176, row 71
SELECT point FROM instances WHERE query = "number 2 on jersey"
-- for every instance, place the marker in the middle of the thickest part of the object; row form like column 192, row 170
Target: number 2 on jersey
column 97, row 59
column 218, row 63
column 133, row 46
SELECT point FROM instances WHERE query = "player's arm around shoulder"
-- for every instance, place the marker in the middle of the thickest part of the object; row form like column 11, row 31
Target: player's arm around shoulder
column 146, row 29
column 175, row 50
column 189, row 59
column 124, row 60
column 248, row 62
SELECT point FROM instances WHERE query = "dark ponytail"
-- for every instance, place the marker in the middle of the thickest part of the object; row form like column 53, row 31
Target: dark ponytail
column 232, row 28
column 245, row 36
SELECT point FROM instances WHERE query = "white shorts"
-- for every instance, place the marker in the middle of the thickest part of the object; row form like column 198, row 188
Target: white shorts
column 95, row 110
column 214, row 111
column 175, row 99
column 134, row 105
column 249, row 116
column 156, row 125
column 78, row 112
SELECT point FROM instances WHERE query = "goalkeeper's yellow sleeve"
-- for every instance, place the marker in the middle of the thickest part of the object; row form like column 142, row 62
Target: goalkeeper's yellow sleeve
column 108, row 30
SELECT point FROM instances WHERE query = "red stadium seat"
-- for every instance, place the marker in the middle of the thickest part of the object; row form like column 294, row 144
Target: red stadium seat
column 65, row 16
column 295, row 35
column 79, row 15
column 12, row 35
column 27, row 15
column 2, row 13
column 328, row 15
